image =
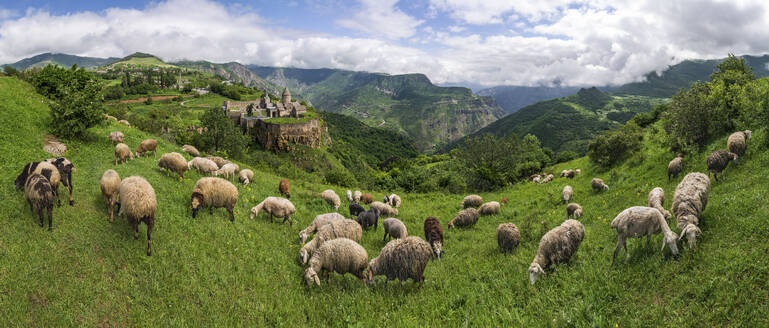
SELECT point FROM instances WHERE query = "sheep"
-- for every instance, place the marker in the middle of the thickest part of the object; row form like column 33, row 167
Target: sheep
column 719, row 160
column 569, row 174
column 434, row 235
column 598, row 185
column 508, row 236
column 276, row 207
column 356, row 209
column 675, row 166
column 689, row 201
column 335, row 229
column 356, row 196
column 489, row 208
column 465, row 218
column 116, row 136
column 401, row 259
column 137, row 202
column 385, row 209
column 567, row 193
column 737, row 142
column 47, row 170
column 394, row 228
column 573, row 211
column 639, row 221
column 228, row 170
column 557, row 245
column 657, row 200
column 319, row 221
column 366, row 199
column 174, row 162
column 146, row 146
column 340, row 255
column 504, row 201
column 547, row 179
column 54, row 147
column 203, row 165
column 331, row 198
column 536, row 178
column 190, row 149
column 124, row 122
column 369, row 218
column 65, row 168
column 284, row 187
column 246, row 176
column 578, row 171
column 110, row 117
column 218, row 160
column 471, row 201
column 393, row 200
column 110, row 187
column 123, row 153
column 349, row 195
column 563, row 173
column 214, row 192
column 39, row 194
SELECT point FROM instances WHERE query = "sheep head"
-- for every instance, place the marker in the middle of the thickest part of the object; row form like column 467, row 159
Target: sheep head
column 748, row 134
column 255, row 211
column 438, row 248
column 304, row 256
column 196, row 202
column 691, row 232
column 578, row 213
column 734, row 157
column 605, row 187
column 451, row 224
column 311, row 276
column 371, row 272
column 534, row 271
column 670, row 240
column 302, row 237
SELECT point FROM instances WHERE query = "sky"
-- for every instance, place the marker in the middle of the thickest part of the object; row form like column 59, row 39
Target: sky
column 488, row 42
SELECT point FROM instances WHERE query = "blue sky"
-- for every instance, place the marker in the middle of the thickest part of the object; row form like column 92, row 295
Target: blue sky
column 490, row 42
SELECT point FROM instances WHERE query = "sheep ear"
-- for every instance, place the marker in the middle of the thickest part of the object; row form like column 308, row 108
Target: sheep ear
column 317, row 281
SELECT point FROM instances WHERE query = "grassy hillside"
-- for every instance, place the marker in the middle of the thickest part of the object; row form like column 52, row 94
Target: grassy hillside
column 140, row 60
column 64, row 60
column 231, row 71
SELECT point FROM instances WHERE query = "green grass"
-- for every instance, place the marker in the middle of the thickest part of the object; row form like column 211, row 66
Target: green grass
column 210, row 272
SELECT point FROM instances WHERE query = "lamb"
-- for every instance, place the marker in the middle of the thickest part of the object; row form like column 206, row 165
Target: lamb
column 124, row 122
column 366, row 199
column 394, row 228
column 44, row 168
column 465, row 218
column 356, row 196
column 39, row 194
column 356, row 209
column 349, row 195
column 276, row 207
column 228, row 170
column 384, row 209
column 173, row 162
column 331, row 198
column 203, row 165
column 284, row 187
column 598, row 185
column 471, row 201
column 65, row 168
column 401, row 259
column 214, row 192
column 110, row 188
column 547, row 179
column 573, row 211
column 393, row 200
column 737, row 142
column 369, row 218
column 246, row 176
column 335, row 229
column 218, row 160
column 689, row 201
column 557, row 245
column 508, row 236
column 434, row 235
column 567, row 193
column 657, row 200
column 116, row 136
column 146, row 146
column 137, row 202
column 639, row 221
column 676, row 166
column 319, row 221
column 340, row 255
column 190, row 149
column 719, row 160
column 123, row 153
column 489, row 208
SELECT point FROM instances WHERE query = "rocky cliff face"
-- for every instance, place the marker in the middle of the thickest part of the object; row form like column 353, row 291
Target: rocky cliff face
column 281, row 137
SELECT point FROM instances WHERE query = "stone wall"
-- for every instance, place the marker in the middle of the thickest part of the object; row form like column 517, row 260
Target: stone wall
column 281, row 137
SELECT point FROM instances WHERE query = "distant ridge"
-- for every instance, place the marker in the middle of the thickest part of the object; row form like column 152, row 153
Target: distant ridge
column 61, row 60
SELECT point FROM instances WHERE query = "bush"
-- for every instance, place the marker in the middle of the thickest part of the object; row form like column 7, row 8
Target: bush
column 647, row 118
column 340, row 177
column 615, row 146
column 114, row 92
column 76, row 110
column 565, row 156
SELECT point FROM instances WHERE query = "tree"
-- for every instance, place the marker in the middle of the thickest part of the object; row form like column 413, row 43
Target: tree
column 76, row 109
column 732, row 71
column 615, row 146
column 10, row 71
column 250, row 110
column 222, row 135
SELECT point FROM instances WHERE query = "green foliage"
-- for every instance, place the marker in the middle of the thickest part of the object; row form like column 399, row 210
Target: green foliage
column 114, row 92
column 493, row 163
column 645, row 119
column 565, row 156
column 10, row 71
column 233, row 92
column 222, row 135
column 148, row 101
column 615, row 146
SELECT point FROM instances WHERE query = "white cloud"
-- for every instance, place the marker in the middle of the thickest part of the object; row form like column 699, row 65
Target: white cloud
column 381, row 18
column 6, row 13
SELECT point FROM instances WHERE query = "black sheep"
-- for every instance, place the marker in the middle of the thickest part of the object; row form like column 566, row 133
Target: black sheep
column 39, row 195
column 368, row 218
column 356, row 209
column 719, row 160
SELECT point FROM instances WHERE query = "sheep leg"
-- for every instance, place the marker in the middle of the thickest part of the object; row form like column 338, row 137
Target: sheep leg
column 40, row 214
column 272, row 220
column 385, row 236
column 648, row 240
column 150, row 225
column 69, row 187
column 232, row 215
column 50, row 217
column 211, row 210
column 620, row 242
column 31, row 209
column 58, row 199
column 136, row 229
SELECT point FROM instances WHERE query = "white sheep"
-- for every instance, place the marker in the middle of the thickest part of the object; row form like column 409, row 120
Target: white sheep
column 394, row 200
column 319, row 221
column 384, row 209
column 489, row 208
column 394, row 228
column 245, row 176
column 333, row 230
column 203, row 165
column 657, row 200
column 557, row 245
column 356, row 196
column 471, row 201
column 639, row 221
column 349, row 196
column 276, row 207
column 331, row 198
column 340, row 255
column 228, row 170
column 138, row 204
column 214, row 192
column 689, row 201
column 568, row 192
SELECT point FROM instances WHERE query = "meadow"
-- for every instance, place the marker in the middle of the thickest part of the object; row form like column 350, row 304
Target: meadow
column 211, row 272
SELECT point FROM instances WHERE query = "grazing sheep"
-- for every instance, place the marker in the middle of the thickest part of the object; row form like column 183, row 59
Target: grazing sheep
column 657, row 200
column 366, row 199
column 465, row 218
column 369, row 218
column 536, row 178
column 214, row 192
column 319, row 221
column 340, row 255
column 123, row 153
column 471, row 201
column 356, row 196
column 504, row 201
column 639, row 221
column 228, row 170
column 676, row 166
column 203, row 165
column 563, row 173
column 190, row 149
column 578, row 171
column 738, row 142
column 508, row 236
column 569, row 174
column 218, row 160
column 356, row 209
column 110, row 117
column 547, row 179
column 689, row 201
column 394, row 228
column 573, row 211
column 246, row 176
column 173, row 162
column 557, row 245
column 284, row 187
column 567, row 193
column 434, row 235
column 598, row 185
column 39, row 194
column 331, row 198
column 335, row 229
column 489, row 208
column 124, row 122
column 401, row 259
column 393, row 200
column 110, row 188
column 137, row 202
column 146, row 146
column 276, row 207
column 44, row 168
column 349, row 195
column 719, row 160
column 116, row 136
column 65, row 168
column 385, row 209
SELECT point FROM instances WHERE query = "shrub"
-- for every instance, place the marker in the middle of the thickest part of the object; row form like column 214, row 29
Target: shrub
column 340, row 177
column 565, row 156
column 614, row 146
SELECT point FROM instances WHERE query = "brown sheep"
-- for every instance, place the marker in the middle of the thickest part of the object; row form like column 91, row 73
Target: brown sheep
column 366, row 198
column 598, row 185
column 146, row 146
column 173, row 162
column 738, row 142
column 434, row 235
column 214, row 192
column 190, row 149
column 285, row 188
column 676, row 166
column 39, row 194
column 110, row 189
column 508, row 236
column 122, row 153
column 138, row 204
